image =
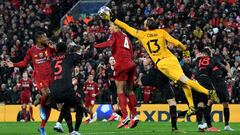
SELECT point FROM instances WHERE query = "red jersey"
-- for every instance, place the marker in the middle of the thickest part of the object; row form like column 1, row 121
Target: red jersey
column 91, row 88
column 121, row 47
column 25, row 86
column 40, row 59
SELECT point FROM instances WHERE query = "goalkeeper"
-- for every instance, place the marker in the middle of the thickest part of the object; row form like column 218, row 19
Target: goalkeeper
column 154, row 41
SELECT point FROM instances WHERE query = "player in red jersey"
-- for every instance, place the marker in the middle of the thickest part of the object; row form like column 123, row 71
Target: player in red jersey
column 91, row 90
column 25, row 86
column 40, row 55
column 125, row 70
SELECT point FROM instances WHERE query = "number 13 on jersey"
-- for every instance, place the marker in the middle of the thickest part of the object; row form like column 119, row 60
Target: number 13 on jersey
column 153, row 46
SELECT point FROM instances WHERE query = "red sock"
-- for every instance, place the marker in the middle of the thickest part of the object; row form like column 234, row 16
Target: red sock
column 24, row 113
column 31, row 112
column 123, row 104
column 43, row 123
column 132, row 103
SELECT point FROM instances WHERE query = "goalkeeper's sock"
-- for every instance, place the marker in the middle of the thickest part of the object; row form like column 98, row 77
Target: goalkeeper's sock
column 196, row 86
column 188, row 93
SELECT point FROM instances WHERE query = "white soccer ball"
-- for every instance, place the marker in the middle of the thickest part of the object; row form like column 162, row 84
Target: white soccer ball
column 104, row 10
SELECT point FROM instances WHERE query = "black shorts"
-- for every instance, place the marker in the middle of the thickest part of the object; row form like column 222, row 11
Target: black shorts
column 157, row 79
column 221, row 89
column 206, row 82
column 70, row 98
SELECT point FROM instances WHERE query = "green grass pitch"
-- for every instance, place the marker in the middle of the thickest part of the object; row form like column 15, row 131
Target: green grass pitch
column 109, row 128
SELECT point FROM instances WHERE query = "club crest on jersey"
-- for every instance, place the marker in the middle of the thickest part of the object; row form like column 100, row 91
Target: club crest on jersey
column 40, row 55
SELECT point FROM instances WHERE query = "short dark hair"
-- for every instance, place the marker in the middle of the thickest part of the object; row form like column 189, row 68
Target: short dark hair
column 38, row 34
column 61, row 47
column 207, row 51
column 151, row 24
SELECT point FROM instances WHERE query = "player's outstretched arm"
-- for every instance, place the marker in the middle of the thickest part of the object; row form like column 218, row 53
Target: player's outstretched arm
column 8, row 63
column 175, row 42
column 24, row 62
column 134, row 32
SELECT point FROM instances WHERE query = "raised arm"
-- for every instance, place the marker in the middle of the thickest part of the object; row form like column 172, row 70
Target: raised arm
column 175, row 42
column 134, row 32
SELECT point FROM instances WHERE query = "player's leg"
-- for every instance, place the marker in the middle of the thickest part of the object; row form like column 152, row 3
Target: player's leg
column 87, row 120
column 226, row 113
column 24, row 110
column 168, row 93
column 173, row 113
column 122, row 102
column 58, row 125
column 176, row 74
column 79, row 116
column 67, row 116
column 196, row 86
column 199, row 116
column 44, row 110
column 188, row 93
column 91, row 111
column 31, row 110
column 132, row 100
column 207, row 116
column 222, row 92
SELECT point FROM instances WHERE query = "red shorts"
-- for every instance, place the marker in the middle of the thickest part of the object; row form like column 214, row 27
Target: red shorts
column 43, row 84
column 89, row 102
column 42, row 80
column 125, row 72
column 25, row 98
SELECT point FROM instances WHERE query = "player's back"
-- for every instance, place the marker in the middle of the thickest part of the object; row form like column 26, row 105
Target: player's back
column 62, row 66
column 205, row 66
column 154, row 42
column 122, row 49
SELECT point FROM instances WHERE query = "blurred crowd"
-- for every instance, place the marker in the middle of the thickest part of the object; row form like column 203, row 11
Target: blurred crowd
column 197, row 23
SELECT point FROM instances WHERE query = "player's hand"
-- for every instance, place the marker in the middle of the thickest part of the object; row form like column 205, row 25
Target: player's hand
column 94, row 95
column 74, row 81
column 8, row 63
column 105, row 16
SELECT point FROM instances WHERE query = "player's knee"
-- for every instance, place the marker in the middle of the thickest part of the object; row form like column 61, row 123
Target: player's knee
column 172, row 102
column 183, row 78
column 201, row 104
